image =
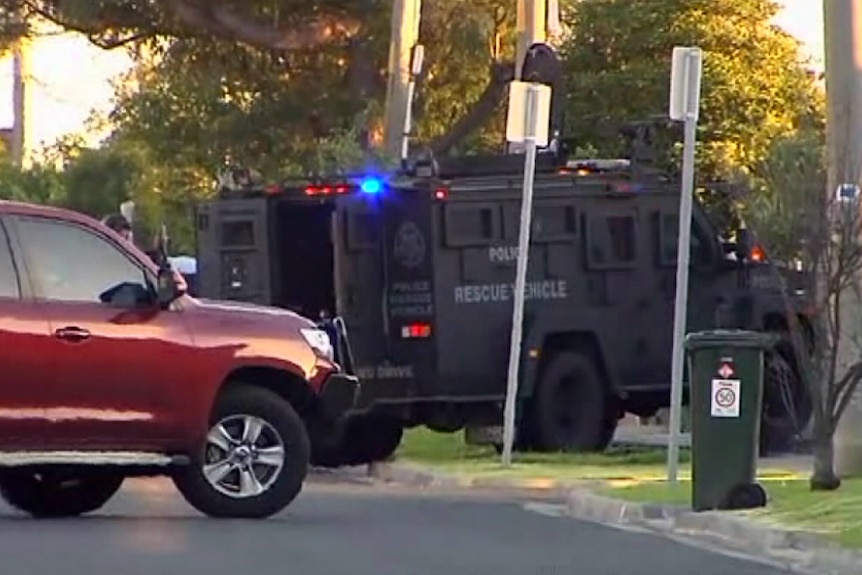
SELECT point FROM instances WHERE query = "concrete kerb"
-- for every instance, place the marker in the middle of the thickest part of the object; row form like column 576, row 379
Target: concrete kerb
column 729, row 530
column 409, row 475
column 793, row 548
column 421, row 477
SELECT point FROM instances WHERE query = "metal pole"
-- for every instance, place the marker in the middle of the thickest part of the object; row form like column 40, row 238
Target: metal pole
column 408, row 120
column 681, row 302
column 842, row 21
column 521, row 274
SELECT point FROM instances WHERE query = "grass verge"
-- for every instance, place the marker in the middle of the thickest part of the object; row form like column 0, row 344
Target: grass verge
column 449, row 453
column 619, row 465
column 836, row 514
column 637, row 474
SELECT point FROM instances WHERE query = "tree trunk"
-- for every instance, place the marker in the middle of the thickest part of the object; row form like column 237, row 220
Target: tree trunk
column 824, row 477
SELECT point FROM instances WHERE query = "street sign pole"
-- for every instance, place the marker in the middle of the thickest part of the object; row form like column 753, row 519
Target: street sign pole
column 535, row 129
column 684, row 105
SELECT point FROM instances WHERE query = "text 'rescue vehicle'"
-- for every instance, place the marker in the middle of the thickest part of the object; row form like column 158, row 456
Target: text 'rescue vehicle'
column 109, row 370
column 421, row 269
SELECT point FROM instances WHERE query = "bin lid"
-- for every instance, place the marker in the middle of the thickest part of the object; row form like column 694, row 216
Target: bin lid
column 729, row 338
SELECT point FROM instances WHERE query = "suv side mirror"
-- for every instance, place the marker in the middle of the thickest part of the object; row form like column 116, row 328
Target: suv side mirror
column 171, row 286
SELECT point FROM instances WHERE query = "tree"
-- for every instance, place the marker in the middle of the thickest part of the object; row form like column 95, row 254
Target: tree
column 755, row 87
column 803, row 222
column 277, row 25
column 97, row 181
column 352, row 33
column 38, row 184
column 203, row 101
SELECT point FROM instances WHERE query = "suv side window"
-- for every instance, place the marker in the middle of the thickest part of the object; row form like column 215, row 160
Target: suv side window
column 9, row 281
column 72, row 264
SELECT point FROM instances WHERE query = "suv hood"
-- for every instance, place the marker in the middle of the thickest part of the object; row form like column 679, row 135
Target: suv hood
column 231, row 310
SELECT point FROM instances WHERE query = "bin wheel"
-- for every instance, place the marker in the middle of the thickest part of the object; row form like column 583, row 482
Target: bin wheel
column 787, row 406
column 745, row 496
column 571, row 408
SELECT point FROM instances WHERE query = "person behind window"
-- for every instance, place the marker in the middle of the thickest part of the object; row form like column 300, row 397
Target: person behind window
column 121, row 225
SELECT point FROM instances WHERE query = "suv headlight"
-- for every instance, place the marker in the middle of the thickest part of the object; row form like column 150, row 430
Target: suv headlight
column 318, row 340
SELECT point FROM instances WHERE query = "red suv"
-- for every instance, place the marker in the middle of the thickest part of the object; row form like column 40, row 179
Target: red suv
column 109, row 370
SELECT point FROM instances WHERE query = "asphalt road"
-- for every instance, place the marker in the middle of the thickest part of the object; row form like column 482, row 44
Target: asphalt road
column 339, row 527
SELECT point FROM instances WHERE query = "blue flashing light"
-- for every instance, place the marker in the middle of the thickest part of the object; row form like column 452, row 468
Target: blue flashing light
column 371, row 186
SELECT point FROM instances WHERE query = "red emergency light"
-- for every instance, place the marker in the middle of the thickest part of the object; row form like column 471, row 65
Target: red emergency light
column 326, row 190
column 416, row 331
column 441, row 193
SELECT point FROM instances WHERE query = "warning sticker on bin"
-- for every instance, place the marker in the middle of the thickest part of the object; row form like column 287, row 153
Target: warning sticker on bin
column 725, row 398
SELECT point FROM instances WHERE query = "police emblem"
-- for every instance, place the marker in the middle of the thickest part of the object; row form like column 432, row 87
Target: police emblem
column 409, row 246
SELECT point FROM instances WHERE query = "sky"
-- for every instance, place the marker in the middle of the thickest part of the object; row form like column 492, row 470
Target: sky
column 69, row 77
column 804, row 19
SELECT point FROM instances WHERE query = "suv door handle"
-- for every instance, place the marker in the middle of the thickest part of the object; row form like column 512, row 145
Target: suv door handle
column 71, row 333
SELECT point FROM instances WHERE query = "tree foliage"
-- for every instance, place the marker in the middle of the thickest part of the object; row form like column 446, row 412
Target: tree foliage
column 278, row 25
column 755, row 87
column 320, row 44
column 204, row 101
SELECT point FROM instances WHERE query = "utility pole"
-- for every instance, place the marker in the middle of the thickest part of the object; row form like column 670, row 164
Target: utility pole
column 18, row 103
column 531, row 28
column 843, row 42
column 406, row 15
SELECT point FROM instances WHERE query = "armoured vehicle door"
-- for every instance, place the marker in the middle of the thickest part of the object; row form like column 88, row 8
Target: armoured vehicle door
column 358, row 279
column 710, row 285
column 233, row 249
column 408, row 285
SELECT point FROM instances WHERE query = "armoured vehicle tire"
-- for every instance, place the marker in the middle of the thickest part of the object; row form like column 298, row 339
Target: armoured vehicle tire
column 366, row 440
column 377, row 440
column 571, row 405
column 254, row 459
column 52, row 494
column 780, row 427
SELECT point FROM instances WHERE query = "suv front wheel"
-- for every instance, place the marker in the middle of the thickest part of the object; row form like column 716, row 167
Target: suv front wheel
column 255, row 457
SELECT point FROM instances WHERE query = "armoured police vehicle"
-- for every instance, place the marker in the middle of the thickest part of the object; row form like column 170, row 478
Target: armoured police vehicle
column 417, row 269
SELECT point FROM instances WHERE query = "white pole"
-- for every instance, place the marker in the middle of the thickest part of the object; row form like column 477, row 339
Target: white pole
column 521, row 273
column 691, row 84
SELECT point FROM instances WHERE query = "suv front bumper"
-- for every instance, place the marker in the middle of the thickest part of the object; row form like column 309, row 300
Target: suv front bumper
column 339, row 394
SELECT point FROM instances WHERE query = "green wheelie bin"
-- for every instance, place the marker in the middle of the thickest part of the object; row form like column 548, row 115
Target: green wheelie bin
column 725, row 373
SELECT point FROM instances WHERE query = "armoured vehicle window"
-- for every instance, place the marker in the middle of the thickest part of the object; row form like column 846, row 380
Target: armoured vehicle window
column 668, row 234
column 9, row 287
column 551, row 222
column 471, row 225
column 237, row 234
column 203, row 221
column 611, row 241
